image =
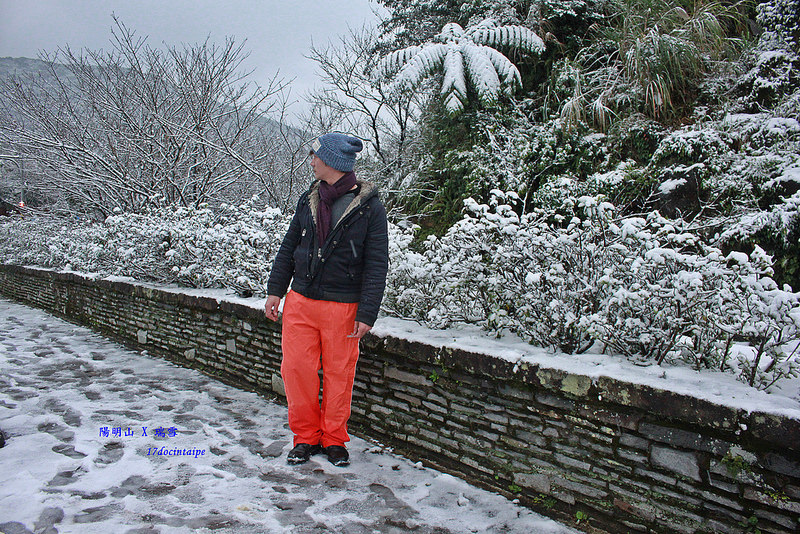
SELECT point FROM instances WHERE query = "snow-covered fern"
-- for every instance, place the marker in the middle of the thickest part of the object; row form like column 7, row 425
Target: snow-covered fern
column 464, row 56
column 520, row 37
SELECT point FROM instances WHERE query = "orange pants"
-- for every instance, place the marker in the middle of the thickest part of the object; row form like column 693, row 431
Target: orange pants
column 314, row 336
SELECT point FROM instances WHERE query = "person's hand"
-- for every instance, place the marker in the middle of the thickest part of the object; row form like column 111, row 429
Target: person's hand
column 271, row 307
column 359, row 329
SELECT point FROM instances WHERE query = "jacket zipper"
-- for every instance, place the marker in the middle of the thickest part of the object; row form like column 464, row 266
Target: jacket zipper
column 328, row 241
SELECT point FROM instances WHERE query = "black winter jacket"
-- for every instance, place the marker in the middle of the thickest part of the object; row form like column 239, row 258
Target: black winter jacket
column 350, row 266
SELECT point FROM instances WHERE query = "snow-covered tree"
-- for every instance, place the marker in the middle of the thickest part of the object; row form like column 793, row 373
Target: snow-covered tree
column 466, row 56
column 137, row 127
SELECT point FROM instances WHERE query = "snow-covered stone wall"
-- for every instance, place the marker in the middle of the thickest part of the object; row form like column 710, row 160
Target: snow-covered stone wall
column 613, row 456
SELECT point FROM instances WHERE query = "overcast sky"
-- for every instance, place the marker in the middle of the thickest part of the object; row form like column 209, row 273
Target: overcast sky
column 278, row 33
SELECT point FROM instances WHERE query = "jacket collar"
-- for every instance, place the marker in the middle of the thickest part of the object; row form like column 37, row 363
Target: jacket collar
column 367, row 191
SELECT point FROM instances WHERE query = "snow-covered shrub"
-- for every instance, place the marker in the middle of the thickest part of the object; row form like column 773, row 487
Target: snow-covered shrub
column 671, row 297
column 768, row 165
column 773, row 76
column 765, row 315
column 667, row 296
column 534, row 160
column 36, row 240
column 774, row 61
column 506, row 272
column 645, row 287
column 780, row 20
column 231, row 247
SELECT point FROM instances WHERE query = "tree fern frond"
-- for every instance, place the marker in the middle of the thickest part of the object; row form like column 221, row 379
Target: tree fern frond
column 464, row 59
column 427, row 60
column 454, row 84
column 481, row 72
column 514, row 36
column 392, row 62
column 506, row 70
column 451, row 32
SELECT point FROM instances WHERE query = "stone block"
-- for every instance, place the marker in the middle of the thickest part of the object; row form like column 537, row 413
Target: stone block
column 554, row 401
column 629, row 440
column 489, row 436
column 655, row 477
column 277, row 385
column 531, row 437
column 723, row 485
column 551, row 432
column 479, row 465
column 615, row 466
column 583, row 489
column 682, row 463
column 412, row 400
column 632, row 456
column 564, row 496
column 391, row 373
column 598, row 434
column 426, row 445
column 789, row 523
column 722, row 500
column 515, row 392
column 434, row 407
column 792, row 491
column 141, row 336
column 534, row 481
column 461, row 407
column 637, row 507
column 572, row 462
column 589, row 445
column 630, row 526
column 779, row 463
column 515, row 443
column 669, row 405
column 775, row 429
column 753, row 494
column 685, row 439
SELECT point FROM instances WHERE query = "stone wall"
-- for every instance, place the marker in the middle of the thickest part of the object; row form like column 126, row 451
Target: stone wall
column 601, row 454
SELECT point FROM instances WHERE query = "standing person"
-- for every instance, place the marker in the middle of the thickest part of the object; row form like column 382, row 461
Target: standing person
column 336, row 254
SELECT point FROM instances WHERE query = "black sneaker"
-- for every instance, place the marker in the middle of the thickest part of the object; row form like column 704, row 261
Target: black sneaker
column 302, row 452
column 338, row 455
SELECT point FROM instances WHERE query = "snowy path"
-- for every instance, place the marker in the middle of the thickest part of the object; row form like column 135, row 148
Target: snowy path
column 62, row 386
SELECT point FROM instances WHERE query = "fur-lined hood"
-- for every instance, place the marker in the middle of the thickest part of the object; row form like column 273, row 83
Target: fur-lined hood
column 368, row 190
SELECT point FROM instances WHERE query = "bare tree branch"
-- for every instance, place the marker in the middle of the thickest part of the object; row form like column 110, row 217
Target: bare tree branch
column 137, row 127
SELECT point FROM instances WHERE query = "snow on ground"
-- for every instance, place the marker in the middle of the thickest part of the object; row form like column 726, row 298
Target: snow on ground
column 62, row 387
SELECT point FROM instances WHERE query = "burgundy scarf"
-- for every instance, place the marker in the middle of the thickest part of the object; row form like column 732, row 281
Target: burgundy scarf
column 327, row 196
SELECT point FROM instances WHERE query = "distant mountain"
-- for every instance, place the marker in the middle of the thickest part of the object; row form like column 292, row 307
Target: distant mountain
column 10, row 66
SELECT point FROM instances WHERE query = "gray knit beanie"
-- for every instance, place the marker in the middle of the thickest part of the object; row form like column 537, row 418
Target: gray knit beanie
column 337, row 150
